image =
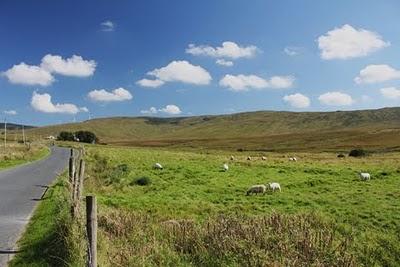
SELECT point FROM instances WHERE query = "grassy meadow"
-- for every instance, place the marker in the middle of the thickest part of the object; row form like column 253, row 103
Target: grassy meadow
column 192, row 192
column 16, row 154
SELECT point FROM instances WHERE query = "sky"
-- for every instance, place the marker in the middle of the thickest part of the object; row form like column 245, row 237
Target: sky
column 64, row 61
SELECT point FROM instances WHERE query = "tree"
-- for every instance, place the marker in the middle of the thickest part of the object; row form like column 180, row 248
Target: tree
column 86, row 137
column 65, row 136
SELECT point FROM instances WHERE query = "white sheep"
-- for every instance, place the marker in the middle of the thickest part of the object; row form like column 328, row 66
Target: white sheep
column 232, row 158
column 248, row 158
column 225, row 167
column 264, row 158
column 365, row 176
column 292, row 159
column 158, row 166
column 255, row 189
column 274, row 186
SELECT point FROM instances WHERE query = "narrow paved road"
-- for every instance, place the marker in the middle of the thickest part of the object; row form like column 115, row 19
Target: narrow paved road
column 20, row 190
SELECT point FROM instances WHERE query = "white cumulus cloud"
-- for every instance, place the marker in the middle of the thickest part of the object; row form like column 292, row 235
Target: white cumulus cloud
column 43, row 103
column 171, row 110
column 73, row 66
column 227, row 50
column 223, row 62
column 102, row 95
column 181, row 71
column 150, row 83
column 377, row 73
column 336, row 99
column 151, row 110
column 297, row 100
column 10, row 112
column 107, row 26
column 168, row 109
column 348, row 42
column 28, row 75
column 246, row 82
column 390, row 93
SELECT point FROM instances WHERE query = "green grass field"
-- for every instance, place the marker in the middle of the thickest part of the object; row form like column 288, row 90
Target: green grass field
column 193, row 187
column 194, row 214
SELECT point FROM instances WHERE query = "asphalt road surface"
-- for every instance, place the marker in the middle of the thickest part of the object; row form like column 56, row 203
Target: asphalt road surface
column 21, row 189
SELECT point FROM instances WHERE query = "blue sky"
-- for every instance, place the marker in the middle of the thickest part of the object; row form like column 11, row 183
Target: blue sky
column 90, row 57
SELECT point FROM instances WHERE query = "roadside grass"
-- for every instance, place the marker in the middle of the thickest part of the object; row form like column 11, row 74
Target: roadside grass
column 17, row 154
column 192, row 187
column 50, row 238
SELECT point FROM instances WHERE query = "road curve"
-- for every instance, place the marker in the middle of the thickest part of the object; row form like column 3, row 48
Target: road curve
column 20, row 189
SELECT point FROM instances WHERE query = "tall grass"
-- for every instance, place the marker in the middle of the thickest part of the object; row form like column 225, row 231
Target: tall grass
column 235, row 240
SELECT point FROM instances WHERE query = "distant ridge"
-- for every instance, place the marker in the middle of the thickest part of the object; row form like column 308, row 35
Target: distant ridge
column 259, row 130
column 13, row 126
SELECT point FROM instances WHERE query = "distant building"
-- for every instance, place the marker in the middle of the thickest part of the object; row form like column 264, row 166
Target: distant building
column 50, row 137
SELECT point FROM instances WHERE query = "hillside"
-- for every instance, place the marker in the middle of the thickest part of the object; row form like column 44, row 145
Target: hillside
column 13, row 126
column 261, row 130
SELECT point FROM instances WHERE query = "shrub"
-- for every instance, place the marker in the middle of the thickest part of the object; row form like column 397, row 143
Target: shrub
column 66, row 136
column 143, row 181
column 86, row 137
column 341, row 156
column 357, row 153
column 80, row 136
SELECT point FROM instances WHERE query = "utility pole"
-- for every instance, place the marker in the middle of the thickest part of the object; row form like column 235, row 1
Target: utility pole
column 23, row 134
column 5, row 133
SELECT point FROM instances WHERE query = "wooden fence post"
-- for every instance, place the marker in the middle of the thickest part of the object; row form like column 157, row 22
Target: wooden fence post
column 71, row 167
column 91, row 228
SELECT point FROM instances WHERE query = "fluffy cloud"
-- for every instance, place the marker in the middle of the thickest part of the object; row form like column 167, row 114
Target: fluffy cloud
column 292, row 50
column 150, row 83
column 119, row 94
column 73, row 66
column 391, row 93
column 171, row 110
column 348, row 42
column 297, row 100
column 246, row 82
column 377, row 73
column 107, row 26
column 28, row 75
column 83, row 109
column 42, row 103
column 151, row 110
column 227, row 50
column 179, row 71
column 42, row 75
column 224, row 62
column 168, row 109
column 335, row 99
column 10, row 112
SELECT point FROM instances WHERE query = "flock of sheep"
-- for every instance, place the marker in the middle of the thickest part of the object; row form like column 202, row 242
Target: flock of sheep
column 274, row 186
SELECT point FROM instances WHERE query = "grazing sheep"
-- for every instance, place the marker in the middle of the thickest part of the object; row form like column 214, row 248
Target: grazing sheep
column 264, row 158
column 274, row 186
column 232, row 158
column 292, row 159
column 158, row 166
column 365, row 176
column 255, row 189
column 225, row 167
column 248, row 158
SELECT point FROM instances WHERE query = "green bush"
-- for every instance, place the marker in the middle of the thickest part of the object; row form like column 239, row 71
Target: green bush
column 143, row 181
column 66, row 136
